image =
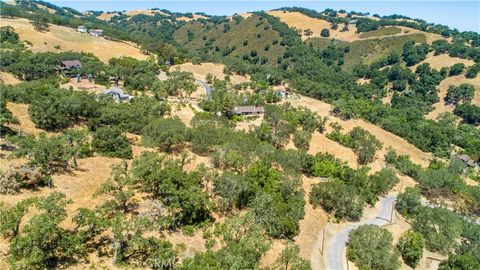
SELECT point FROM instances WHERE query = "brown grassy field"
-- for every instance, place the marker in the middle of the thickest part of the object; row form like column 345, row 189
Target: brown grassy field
column 70, row 40
column 388, row 139
column 8, row 78
column 186, row 19
column 201, row 71
column 443, row 60
column 441, row 107
column 301, row 21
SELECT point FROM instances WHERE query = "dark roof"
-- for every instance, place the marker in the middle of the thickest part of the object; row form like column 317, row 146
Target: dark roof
column 117, row 91
column 466, row 159
column 72, row 64
column 248, row 109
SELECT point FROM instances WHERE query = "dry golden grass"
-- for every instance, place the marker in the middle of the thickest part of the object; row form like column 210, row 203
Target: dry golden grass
column 106, row 16
column 20, row 112
column 195, row 17
column 301, row 21
column 70, row 40
column 441, row 107
column 84, row 85
column 147, row 12
column 388, row 139
column 8, row 78
column 443, row 60
column 201, row 71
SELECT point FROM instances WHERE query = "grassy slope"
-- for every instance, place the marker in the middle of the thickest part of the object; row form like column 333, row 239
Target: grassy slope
column 387, row 31
column 369, row 50
column 69, row 39
column 247, row 29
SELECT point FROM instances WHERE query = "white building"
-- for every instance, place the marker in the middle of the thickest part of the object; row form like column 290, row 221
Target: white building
column 82, row 29
column 96, row 32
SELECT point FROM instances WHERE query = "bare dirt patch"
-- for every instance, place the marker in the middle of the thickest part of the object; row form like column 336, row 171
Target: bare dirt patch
column 84, row 85
column 8, row 78
column 70, row 40
column 200, row 71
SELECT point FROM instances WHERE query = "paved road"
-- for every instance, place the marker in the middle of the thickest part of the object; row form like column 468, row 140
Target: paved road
column 335, row 257
column 208, row 90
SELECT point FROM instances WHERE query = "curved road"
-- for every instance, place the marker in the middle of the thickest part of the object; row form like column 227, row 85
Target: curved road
column 335, row 257
column 208, row 90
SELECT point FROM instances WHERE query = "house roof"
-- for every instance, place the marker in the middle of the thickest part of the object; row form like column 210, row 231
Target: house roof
column 466, row 159
column 72, row 64
column 116, row 91
column 248, row 109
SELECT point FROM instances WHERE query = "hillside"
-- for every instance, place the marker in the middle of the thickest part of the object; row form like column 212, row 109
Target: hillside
column 60, row 38
column 257, row 140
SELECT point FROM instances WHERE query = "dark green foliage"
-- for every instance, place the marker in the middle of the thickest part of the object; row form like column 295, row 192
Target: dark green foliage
column 111, row 142
column 365, row 25
column 408, row 202
column 135, row 74
column 43, row 243
column 339, row 199
column 463, row 93
column 411, row 246
column 62, row 108
column 470, row 113
column 472, row 71
column 180, row 191
column 245, row 244
column 8, row 35
column 440, row 228
column 370, row 247
column 165, row 133
column 414, row 54
column 131, row 116
column 456, row 69
column 325, row 32
column 456, row 262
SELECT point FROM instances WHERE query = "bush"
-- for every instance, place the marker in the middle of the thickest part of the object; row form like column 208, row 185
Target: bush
column 463, row 93
column 408, row 203
column 411, row 246
column 456, row 69
column 338, row 199
column 165, row 133
column 370, row 247
column 111, row 142
column 470, row 113
column 325, row 32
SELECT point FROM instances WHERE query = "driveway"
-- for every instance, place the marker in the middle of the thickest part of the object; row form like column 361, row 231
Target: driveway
column 335, row 255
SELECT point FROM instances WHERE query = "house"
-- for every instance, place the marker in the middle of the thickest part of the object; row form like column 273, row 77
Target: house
column 82, row 29
column 467, row 160
column 352, row 21
column 70, row 64
column 247, row 110
column 117, row 94
column 281, row 93
column 96, row 32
